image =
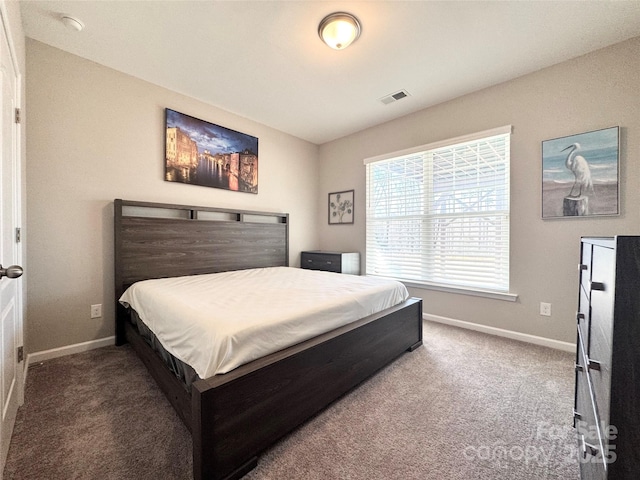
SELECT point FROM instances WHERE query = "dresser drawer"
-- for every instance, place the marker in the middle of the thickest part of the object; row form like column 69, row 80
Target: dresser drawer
column 584, row 317
column 599, row 367
column 585, row 267
column 585, row 411
column 601, row 326
column 590, row 470
column 590, row 447
column 591, row 443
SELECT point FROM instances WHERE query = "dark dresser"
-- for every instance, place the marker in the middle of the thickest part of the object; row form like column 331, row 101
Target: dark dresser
column 339, row 262
column 607, row 389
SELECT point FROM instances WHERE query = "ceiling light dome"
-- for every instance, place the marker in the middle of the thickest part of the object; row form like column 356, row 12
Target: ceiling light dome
column 72, row 22
column 339, row 30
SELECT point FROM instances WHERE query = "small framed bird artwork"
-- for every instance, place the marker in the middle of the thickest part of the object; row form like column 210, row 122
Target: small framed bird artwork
column 581, row 175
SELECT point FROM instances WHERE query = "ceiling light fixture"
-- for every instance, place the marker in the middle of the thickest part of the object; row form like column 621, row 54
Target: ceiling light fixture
column 72, row 22
column 339, row 30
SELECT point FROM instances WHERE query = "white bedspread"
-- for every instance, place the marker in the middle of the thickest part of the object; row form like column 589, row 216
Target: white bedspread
column 220, row 321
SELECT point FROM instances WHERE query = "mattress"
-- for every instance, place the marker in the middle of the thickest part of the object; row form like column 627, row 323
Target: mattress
column 217, row 322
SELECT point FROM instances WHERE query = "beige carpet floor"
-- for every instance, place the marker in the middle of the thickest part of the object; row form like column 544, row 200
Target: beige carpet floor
column 464, row 406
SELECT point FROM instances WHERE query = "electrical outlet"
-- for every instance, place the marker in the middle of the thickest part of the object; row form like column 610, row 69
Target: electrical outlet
column 96, row 311
column 545, row 309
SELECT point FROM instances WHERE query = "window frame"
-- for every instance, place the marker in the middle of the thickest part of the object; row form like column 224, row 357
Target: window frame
column 497, row 293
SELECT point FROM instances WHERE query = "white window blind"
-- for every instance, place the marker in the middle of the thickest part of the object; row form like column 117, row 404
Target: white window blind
column 439, row 214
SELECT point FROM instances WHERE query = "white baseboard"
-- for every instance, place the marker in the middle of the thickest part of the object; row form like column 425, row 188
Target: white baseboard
column 25, row 371
column 523, row 337
column 37, row 357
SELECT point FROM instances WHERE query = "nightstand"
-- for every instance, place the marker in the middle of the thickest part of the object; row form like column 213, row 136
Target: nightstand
column 338, row 262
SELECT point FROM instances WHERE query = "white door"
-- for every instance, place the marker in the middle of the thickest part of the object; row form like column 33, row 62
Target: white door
column 11, row 378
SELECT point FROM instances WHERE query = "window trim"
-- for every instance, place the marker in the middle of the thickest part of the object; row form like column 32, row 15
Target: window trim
column 474, row 292
column 506, row 129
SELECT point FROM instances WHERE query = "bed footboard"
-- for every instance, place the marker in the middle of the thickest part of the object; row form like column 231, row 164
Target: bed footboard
column 238, row 415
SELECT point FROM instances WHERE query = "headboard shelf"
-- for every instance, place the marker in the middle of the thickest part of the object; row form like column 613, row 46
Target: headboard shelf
column 131, row 208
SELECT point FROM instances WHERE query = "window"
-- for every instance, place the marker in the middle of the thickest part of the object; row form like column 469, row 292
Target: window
column 439, row 214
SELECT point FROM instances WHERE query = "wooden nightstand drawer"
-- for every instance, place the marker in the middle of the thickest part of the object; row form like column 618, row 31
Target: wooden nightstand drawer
column 337, row 262
column 321, row 261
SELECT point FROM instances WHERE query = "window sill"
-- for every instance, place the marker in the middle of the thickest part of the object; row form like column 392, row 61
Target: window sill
column 506, row 296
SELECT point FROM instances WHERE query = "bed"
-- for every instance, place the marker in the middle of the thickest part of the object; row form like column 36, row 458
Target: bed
column 234, row 416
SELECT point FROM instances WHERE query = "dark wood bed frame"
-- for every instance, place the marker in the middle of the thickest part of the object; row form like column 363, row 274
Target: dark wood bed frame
column 235, row 416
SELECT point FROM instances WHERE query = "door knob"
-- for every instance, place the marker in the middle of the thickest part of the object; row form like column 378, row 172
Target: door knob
column 14, row 271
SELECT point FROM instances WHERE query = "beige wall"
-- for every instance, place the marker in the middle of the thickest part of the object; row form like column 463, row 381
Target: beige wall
column 95, row 134
column 595, row 91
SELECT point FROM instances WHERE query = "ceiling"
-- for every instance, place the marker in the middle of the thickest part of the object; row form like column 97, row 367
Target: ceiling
column 263, row 60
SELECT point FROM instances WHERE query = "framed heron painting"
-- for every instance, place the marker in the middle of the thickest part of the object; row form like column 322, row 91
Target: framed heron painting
column 581, row 175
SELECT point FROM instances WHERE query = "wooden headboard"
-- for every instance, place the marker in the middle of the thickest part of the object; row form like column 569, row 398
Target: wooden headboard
column 157, row 240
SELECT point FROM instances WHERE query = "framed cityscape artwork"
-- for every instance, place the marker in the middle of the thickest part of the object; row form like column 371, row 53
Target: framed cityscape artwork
column 203, row 153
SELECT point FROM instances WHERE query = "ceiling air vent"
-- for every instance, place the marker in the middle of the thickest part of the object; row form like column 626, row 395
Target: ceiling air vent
column 394, row 97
